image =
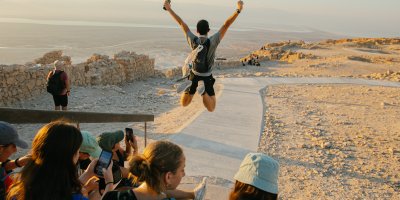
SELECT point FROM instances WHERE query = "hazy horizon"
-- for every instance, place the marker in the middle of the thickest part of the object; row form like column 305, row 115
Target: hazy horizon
column 31, row 28
column 357, row 18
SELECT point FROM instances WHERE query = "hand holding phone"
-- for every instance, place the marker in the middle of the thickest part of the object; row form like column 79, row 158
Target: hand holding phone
column 129, row 134
column 103, row 162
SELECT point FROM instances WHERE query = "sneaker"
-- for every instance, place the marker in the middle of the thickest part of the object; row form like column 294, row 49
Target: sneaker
column 200, row 190
column 183, row 86
column 201, row 88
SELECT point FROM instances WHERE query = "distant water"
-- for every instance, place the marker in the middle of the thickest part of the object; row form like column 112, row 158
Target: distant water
column 102, row 24
column 23, row 40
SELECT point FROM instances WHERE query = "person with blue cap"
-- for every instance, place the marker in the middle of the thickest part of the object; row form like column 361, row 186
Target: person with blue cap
column 257, row 178
column 9, row 141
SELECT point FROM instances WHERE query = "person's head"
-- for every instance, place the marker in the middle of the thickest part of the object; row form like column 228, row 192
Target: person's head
column 257, row 178
column 109, row 141
column 55, row 152
column 89, row 147
column 9, row 141
column 58, row 64
column 202, row 27
column 161, row 166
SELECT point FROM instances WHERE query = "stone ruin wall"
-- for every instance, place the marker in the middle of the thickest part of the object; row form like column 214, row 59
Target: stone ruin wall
column 18, row 82
column 218, row 64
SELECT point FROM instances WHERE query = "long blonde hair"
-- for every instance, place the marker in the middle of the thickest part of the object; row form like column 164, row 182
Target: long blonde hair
column 157, row 159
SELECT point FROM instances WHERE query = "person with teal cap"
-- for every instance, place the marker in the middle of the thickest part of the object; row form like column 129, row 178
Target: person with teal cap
column 89, row 149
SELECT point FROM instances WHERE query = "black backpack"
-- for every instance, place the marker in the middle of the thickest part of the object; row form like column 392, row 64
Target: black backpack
column 54, row 84
column 200, row 64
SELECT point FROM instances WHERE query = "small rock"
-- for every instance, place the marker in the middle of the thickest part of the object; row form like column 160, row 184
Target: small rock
column 161, row 92
column 326, row 145
column 384, row 104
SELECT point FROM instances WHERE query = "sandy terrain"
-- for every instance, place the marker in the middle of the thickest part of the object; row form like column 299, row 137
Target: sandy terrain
column 333, row 142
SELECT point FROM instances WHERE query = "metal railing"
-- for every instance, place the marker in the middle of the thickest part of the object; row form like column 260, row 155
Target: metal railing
column 28, row 116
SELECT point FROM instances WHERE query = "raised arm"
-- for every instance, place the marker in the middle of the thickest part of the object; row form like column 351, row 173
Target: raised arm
column 167, row 6
column 230, row 20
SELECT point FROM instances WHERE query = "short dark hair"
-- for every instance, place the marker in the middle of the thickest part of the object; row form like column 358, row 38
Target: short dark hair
column 203, row 27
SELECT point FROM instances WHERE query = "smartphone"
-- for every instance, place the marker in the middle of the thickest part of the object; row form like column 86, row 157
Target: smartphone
column 103, row 162
column 129, row 134
column 169, row 1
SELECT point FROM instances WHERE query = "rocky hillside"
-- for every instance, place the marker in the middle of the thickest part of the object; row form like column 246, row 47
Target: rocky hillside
column 375, row 58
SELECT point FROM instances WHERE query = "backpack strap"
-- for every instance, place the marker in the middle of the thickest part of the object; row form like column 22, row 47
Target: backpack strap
column 197, row 40
column 56, row 73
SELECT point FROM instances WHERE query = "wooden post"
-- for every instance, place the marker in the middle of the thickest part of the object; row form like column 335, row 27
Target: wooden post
column 145, row 134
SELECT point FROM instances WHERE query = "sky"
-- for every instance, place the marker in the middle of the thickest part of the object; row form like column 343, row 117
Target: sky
column 368, row 18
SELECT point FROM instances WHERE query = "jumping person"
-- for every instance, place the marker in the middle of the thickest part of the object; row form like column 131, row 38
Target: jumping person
column 202, row 66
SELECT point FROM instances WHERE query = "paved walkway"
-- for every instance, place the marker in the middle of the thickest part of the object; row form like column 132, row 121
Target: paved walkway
column 215, row 143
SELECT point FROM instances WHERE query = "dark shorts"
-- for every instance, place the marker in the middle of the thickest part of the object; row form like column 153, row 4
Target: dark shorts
column 208, row 84
column 60, row 100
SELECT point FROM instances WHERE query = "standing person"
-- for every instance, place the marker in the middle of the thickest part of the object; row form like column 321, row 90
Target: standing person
column 9, row 140
column 58, row 85
column 257, row 178
column 202, row 66
column 52, row 173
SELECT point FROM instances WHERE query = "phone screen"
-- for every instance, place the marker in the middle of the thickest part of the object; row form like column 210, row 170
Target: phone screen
column 129, row 134
column 103, row 162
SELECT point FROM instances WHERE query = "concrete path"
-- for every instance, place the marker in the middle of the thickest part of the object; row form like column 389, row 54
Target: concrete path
column 215, row 143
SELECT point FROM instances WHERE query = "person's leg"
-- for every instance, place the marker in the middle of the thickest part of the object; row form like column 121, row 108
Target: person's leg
column 209, row 102
column 209, row 99
column 64, row 102
column 187, row 96
column 57, row 104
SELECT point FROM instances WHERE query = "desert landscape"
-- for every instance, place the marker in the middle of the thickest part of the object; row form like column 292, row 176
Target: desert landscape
column 332, row 141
